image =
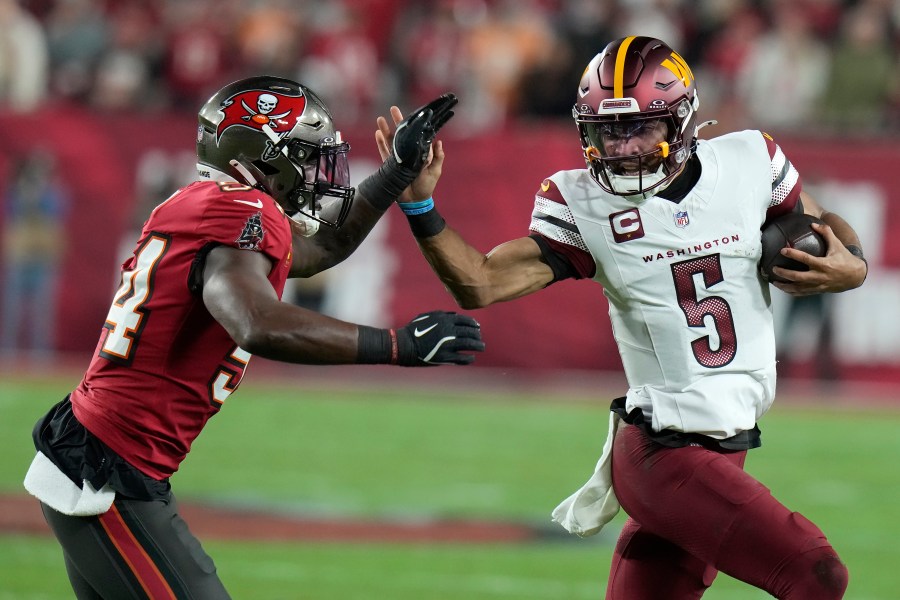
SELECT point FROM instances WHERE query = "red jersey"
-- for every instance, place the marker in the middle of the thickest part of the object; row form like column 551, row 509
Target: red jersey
column 163, row 364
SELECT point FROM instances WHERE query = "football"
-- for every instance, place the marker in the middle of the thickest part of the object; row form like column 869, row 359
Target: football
column 794, row 231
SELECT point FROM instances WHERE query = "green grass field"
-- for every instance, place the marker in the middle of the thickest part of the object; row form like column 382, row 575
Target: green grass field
column 390, row 454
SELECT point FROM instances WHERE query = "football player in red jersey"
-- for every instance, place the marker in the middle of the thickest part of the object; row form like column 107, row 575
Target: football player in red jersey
column 200, row 295
column 669, row 225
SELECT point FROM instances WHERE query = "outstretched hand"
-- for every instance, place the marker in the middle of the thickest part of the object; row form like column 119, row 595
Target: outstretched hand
column 411, row 145
column 405, row 153
column 837, row 271
column 412, row 139
column 439, row 338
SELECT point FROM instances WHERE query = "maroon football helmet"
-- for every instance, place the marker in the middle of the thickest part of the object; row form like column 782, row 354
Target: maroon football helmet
column 636, row 88
column 277, row 135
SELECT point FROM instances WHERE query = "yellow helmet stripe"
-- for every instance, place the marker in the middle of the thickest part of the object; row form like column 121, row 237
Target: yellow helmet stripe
column 619, row 76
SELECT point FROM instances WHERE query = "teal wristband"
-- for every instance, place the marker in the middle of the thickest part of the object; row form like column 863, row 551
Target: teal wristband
column 416, row 208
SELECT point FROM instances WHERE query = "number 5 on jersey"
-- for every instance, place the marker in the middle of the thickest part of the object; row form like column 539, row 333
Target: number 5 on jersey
column 127, row 316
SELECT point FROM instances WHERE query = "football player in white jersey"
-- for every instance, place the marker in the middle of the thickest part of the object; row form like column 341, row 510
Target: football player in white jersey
column 669, row 225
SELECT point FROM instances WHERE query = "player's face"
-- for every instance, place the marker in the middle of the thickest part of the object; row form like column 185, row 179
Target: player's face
column 632, row 138
column 326, row 190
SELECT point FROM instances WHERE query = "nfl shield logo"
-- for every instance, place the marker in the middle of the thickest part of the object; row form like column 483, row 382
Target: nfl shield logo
column 682, row 219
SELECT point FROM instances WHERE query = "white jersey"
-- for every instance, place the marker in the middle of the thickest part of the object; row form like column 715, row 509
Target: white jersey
column 690, row 314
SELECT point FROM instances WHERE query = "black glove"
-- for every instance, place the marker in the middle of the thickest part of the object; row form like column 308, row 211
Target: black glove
column 412, row 141
column 438, row 338
column 414, row 134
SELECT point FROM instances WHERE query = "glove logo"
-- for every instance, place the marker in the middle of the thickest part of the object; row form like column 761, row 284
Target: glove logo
column 418, row 333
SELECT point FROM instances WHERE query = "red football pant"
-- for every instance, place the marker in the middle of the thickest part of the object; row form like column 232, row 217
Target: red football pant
column 694, row 512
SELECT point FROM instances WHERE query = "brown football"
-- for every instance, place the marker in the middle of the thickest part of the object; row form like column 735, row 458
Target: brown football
column 793, row 231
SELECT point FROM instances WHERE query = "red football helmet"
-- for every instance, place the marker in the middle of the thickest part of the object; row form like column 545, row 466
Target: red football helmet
column 638, row 89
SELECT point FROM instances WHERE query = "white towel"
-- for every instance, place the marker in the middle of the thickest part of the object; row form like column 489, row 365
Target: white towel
column 48, row 484
column 586, row 511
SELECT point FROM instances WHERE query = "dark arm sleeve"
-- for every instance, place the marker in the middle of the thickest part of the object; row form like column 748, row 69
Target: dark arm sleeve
column 558, row 262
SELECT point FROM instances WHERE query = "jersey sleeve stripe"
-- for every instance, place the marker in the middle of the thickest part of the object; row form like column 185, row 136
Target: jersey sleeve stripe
column 779, row 162
column 556, row 222
column 549, row 208
column 779, row 177
column 785, row 180
column 558, row 234
column 788, row 187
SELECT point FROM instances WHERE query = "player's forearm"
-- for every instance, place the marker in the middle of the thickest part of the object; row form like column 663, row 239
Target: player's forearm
column 293, row 334
column 296, row 335
column 258, row 322
column 459, row 266
column 329, row 246
column 856, row 267
column 342, row 242
column 842, row 230
column 475, row 280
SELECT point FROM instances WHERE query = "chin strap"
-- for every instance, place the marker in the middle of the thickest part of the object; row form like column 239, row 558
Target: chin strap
column 702, row 125
column 245, row 173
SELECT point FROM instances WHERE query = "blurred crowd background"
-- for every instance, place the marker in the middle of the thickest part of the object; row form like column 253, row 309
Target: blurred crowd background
column 819, row 66
column 98, row 104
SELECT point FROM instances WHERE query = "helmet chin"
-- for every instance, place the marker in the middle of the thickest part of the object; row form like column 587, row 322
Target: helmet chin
column 307, row 225
column 637, row 187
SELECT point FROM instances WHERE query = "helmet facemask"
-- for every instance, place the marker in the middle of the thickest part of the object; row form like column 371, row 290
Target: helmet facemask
column 650, row 170
column 321, row 188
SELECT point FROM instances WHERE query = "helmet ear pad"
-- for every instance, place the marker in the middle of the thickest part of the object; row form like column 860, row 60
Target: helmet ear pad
column 293, row 197
column 271, row 178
